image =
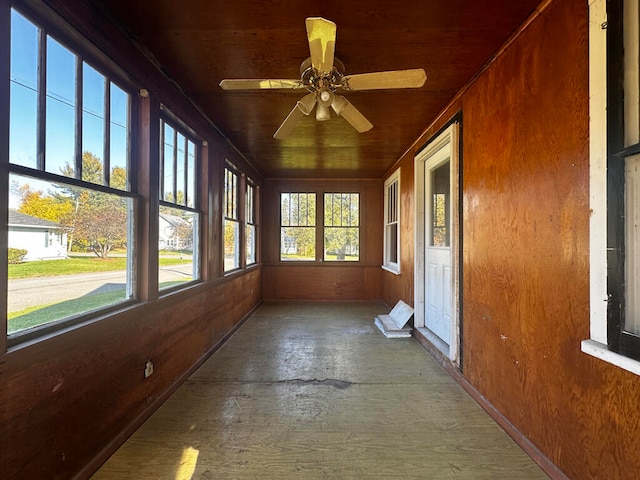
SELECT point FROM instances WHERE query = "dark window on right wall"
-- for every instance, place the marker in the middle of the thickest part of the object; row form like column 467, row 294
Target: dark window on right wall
column 623, row 178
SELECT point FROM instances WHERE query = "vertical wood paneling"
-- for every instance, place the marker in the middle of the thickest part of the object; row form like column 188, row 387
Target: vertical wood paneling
column 65, row 400
column 526, row 253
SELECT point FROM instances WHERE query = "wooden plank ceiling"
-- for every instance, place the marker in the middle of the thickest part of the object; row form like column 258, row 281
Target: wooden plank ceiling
column 200, row 42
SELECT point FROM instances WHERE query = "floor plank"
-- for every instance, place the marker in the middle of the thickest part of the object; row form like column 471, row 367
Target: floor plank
column 314, row 390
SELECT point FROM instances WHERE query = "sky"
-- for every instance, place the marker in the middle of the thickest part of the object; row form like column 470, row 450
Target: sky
column 61, row 89
column 60, row 104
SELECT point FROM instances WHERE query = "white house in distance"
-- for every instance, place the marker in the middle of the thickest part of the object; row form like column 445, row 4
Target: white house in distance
column 174, row 233
column 42, row 239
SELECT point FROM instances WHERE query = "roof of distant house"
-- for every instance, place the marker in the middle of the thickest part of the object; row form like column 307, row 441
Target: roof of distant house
column 174, row 221
column 17, row 218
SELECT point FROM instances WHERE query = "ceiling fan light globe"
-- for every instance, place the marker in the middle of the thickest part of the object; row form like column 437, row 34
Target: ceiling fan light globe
column 325, row 97
column 306, row 103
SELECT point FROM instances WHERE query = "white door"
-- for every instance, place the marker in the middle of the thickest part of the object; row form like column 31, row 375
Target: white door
column 436, row 285
column 438, row 245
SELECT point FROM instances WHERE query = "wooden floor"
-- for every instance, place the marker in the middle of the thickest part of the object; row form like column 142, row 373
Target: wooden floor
column 314, row 390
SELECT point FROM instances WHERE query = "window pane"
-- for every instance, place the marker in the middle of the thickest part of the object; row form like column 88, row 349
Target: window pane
column 93, row 128
column 298, row 209
column 631, row 73
column 341, row 244
column 191, row 174
column 119, row 148
column 72, row 248
column 61, row 104
column 298, row 243
column 24, row 92
column 167, row 191
column 632, row 245
column 230, row 194
column 297, row 231
column 251, row 244
column 180, row 170
column 440, row 206
column 341, row 232
column 249, row 214
column 392, row 245
column 231, row 245
column 178, row 240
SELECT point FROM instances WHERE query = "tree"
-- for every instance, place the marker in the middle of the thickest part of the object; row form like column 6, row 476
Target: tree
column 40, row 205
column 98, row 220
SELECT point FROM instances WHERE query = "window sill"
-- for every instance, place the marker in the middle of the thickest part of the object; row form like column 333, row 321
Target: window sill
column 394, row 270
column 599, row 350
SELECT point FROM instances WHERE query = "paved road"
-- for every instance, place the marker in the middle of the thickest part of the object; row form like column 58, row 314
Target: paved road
column 29, row 292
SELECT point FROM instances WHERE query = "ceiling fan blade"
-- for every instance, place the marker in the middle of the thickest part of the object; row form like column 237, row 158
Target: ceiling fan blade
column 260, row 84
column 303, row 107
column 351, row 114
column 321, row 34
column 413, row 78
column 289, row 123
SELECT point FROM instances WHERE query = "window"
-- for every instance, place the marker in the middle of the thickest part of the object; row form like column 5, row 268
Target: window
column 614, row 163
column 339, row 232
column 250, row 220
column 297, row 226
column 231, row 220
column 392, row 223
column 341, row 227
column 623, row 145
column 440, row 206
column 179, row 217
column 69, row 179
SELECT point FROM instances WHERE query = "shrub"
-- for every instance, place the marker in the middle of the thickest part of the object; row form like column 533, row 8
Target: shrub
column 15, row 255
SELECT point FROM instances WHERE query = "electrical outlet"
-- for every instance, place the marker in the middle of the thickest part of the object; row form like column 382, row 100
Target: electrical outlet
column 148, row 369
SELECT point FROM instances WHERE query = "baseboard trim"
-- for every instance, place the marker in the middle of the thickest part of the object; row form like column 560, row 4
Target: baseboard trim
column 103, row 455
column 529, row 448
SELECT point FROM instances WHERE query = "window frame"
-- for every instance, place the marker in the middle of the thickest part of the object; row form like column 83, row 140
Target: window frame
column 607, row 152
column 319, row 226
column 326, row 227
column 298, row 225
column 84, row 54
column 180, row 128
column 250, row 220
column 392, row 209
column 236, row 213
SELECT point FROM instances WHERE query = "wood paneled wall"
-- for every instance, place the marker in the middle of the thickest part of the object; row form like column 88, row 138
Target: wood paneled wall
column 525, row 283
column 324, row 280
column 67, row 401
column 70, row 400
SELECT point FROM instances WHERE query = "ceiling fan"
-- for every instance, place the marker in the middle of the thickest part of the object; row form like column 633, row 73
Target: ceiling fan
column 322, row 75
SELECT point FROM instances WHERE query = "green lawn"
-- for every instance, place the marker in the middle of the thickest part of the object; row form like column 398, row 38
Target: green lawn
column 330, row 257
column 74, row 265
column 42, row 314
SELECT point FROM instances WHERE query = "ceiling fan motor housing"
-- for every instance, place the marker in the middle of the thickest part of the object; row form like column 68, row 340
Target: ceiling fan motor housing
column 317, row 80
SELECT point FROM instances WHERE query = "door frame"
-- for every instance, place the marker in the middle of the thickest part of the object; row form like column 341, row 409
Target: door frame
column 448, row 138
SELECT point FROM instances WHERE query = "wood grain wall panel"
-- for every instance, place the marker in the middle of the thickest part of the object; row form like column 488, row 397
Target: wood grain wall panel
column 65, row 400
column 526, row 253
column 68, row 399
column 334, row 283
column 323, row 280
column 525, row 256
